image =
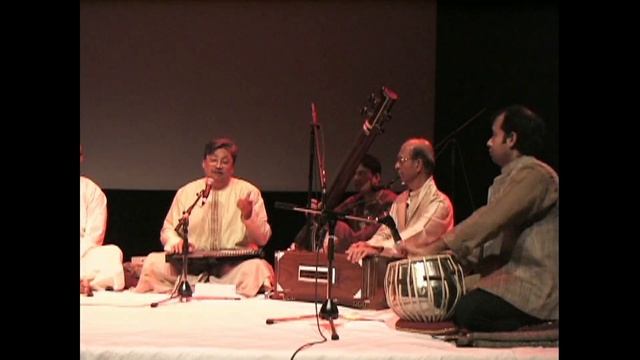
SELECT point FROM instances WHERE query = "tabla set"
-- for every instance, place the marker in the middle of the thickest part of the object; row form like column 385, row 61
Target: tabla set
column 424, row 289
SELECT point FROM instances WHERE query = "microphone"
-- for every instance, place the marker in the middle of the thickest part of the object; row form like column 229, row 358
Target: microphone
column 207, row 190
column 388, row 222
column 389, row 184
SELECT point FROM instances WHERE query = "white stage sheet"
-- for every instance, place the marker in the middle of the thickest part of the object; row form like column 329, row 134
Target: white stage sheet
column 121, row 325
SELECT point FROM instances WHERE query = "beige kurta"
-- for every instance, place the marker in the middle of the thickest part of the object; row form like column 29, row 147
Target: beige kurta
column 425, row 213
column 521, row 221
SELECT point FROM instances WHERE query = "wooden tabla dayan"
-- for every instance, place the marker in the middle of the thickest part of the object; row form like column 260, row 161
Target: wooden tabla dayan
column 425, row 288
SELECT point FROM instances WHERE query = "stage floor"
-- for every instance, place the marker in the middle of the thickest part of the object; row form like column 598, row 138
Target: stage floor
column 122, row 325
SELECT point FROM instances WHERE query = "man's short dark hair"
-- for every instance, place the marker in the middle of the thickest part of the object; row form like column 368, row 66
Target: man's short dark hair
column 528, row 126
column 215, row 144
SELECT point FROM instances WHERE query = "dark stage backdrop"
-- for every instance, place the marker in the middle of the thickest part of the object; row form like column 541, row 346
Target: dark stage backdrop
column 490, row 55
column 159, row 79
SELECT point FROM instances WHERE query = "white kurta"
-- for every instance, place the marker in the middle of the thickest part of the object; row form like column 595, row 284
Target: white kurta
column 101, row 265
column 218, row 223
column 215, row 224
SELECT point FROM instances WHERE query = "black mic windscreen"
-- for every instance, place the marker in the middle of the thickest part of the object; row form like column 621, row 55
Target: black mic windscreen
column 207, row 188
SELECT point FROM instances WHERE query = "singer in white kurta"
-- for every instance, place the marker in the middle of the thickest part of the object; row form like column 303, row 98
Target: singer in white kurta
column 232, row 216
column 100, row 264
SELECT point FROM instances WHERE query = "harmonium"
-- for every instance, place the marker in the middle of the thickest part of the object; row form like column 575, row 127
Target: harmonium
column 359, row 285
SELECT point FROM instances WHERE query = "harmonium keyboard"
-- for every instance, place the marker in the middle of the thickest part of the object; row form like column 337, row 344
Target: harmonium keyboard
column 358, row 285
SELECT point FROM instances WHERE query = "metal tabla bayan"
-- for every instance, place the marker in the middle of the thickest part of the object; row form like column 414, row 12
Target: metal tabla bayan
column 425, row 288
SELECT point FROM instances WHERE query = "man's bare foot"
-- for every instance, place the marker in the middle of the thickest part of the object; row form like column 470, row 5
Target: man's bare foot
column 85, row 288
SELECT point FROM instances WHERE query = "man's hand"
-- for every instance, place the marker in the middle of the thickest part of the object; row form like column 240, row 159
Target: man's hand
column 360, row 250
column 85, row 287
column 315, row 204
column 177, row 247
column 401, row 249
column 246, row 206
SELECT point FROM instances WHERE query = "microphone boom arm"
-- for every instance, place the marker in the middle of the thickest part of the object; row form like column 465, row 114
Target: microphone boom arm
column 329, row 215
column 185, row 214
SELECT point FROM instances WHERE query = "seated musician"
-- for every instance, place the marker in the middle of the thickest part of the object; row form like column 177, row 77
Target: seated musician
column 420, row 212
column 232, row 216
column 100, row 265
column 512, row 241
column 371, row 200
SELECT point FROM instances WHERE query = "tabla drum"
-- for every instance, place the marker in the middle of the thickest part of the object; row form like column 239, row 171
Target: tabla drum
column 424, row 289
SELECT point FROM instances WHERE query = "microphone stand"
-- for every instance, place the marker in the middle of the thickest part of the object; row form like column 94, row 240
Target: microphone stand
column 312, row 154
column 305, row 238
column 184, row 289
column 329, row 309
column 321, row 170
column 451, row 140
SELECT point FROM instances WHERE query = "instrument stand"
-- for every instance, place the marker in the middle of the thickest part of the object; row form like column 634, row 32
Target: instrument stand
column 184, row 289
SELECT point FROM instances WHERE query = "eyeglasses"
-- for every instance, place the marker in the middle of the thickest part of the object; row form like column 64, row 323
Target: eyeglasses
column 401, row 160
column 222, row 162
